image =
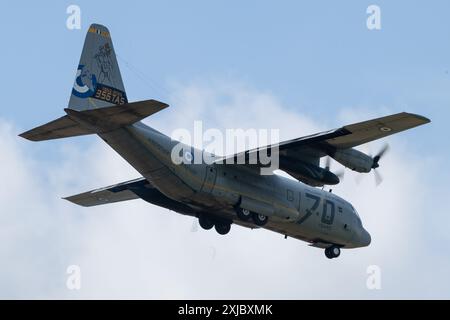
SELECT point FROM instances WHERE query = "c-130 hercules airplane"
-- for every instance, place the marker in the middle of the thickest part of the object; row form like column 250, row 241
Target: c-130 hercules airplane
column 218, row 193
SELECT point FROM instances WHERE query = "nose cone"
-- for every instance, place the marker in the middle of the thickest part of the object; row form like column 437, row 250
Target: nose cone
column 365, row 238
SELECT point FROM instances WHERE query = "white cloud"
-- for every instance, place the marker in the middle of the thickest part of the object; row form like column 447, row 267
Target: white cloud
column 136, row 250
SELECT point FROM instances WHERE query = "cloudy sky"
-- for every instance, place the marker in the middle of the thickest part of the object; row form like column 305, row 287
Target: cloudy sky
column 290, row 66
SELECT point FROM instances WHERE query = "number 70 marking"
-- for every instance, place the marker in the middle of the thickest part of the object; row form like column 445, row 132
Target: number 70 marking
column 326, row 218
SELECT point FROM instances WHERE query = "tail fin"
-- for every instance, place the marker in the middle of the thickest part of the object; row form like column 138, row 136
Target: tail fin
column 98, row 102
column 98, row 82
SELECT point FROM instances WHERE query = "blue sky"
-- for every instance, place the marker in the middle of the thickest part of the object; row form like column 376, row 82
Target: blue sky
column 317, row 59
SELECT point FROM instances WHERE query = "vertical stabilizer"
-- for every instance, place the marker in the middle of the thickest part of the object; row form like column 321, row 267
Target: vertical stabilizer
column 98, row 82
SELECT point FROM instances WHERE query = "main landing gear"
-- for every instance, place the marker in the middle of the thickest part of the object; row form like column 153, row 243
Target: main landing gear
column 245, row 215
column 222, row 226
column 332, row 252
column 205, row 222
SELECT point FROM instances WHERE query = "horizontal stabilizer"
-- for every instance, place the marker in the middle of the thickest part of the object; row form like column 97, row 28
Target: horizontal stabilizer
column 105, row 119
column 60, row 128
column 110, row 118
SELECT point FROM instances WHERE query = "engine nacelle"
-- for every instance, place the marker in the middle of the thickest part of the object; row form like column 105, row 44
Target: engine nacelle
column 354, row 159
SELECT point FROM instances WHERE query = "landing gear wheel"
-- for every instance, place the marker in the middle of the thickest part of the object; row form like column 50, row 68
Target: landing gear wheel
column 332, row 252
column 243, row 214
column 222, row 228
column 259, row 219
column 335, row 252
column 205, row 222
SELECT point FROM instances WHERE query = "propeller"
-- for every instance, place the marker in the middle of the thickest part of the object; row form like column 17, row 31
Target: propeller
column 378, row 177
column 375, row 164
column 380, row 154
column 339, row 173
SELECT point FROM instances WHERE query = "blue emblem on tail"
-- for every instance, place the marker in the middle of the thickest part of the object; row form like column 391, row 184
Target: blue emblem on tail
column 85, row 83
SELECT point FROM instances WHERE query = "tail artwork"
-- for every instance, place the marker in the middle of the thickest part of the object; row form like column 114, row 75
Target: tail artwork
column 98, row 81
column 98, row 102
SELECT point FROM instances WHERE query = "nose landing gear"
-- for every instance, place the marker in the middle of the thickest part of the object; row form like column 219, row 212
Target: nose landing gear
column 332, row 252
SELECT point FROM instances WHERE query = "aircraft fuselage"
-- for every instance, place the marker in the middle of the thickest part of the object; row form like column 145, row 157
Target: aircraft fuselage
column 294, row 209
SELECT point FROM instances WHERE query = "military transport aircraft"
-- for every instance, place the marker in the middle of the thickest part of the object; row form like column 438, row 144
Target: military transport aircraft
column 218, row 193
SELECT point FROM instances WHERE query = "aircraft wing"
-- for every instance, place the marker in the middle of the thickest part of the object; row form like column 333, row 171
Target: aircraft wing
column 115, row 193
column 310, row 149
column 362, row 132
column 139, row 188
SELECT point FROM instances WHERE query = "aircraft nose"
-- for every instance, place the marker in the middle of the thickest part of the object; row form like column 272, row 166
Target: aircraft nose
column 365, row 238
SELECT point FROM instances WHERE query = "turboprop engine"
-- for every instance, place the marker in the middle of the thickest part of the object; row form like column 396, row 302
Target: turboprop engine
column 354, row 159
column 360, row 162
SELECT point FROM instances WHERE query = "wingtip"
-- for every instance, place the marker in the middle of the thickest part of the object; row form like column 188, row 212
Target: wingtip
column 423, row 119
column 25, row 135
column 68, row 198
column 72, row 201
column 162, row 104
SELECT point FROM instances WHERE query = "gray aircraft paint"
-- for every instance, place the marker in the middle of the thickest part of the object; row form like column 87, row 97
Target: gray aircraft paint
column 149, row 152
column 295, row 209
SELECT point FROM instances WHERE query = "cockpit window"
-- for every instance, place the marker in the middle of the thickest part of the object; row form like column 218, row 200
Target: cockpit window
column 357, row 216
column 356, row 212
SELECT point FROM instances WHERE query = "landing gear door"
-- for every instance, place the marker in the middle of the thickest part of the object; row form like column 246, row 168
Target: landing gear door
column 210, row 178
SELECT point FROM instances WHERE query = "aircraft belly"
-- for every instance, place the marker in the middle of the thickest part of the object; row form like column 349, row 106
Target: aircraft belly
column 215, row 193
column 144, row 161
column 289, row 229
